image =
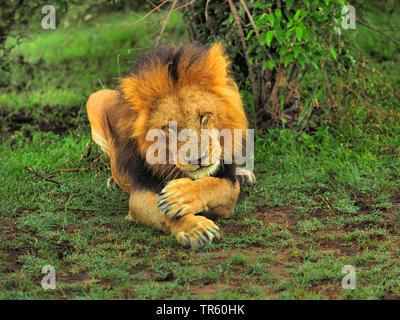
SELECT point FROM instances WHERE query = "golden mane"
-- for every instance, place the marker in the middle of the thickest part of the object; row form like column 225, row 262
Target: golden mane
column 166, row 70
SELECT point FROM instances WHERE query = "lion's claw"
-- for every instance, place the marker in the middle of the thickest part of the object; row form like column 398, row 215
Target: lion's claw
column 245, row 177
column 197, row 232
column 178, row 198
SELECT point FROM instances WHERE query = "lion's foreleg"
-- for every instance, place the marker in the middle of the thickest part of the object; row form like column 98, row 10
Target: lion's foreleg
column 209, row 195
column 190, row 230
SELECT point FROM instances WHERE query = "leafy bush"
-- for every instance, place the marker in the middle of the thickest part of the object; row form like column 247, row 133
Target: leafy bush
column 272, row 45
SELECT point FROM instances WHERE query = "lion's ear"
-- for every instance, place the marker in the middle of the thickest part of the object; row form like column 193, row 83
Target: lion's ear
column 132, row 91
column 144, row 88
column 216, row 52
column 218, row 61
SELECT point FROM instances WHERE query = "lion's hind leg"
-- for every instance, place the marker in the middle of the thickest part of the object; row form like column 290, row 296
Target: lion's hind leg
column 101, row 141
column 99, row 106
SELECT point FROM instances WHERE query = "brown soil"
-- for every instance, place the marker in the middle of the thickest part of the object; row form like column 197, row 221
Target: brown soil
column 280, row 216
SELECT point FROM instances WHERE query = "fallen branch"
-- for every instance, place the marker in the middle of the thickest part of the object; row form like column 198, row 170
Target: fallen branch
column 262, row 171
column 95, row 160
column 42, row 176
column 76, row 169
column 81, row 210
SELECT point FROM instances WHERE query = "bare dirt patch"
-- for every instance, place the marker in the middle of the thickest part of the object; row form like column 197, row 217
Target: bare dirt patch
column 280, row 216
column 233, row 228
column 13, row 264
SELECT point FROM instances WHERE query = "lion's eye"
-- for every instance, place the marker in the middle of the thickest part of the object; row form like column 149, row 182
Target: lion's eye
column 203, row 120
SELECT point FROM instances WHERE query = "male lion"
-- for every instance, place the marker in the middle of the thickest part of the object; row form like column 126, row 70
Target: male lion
column 189, row 85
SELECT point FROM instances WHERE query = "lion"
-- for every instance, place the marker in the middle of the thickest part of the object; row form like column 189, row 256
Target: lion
column 189, row 85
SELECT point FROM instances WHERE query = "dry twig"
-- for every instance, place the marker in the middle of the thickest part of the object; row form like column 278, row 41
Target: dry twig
column 183, row 6
column 379, row 31
column 142, row 18
column 165, row 22
column 254, row 26
column 87, row 151
column 42, row 176
column 327, row 204
column 383, row 113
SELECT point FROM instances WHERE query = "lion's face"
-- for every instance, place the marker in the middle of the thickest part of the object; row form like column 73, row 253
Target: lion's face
column 184, row 95
column 195, row 118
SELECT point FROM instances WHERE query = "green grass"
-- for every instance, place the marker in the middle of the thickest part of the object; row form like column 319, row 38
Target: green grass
column 66, row 65
column 322, row 200
column 283, row 242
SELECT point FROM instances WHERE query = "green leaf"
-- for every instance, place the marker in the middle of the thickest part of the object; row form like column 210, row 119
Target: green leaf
column 306, row 137
column 260, row 5
column 314, row 64
column 261, row 18
column 270, row 64
column 296, row 50
column 333, row 53
column 269, row 37
column 249, row 34
column 299, row 33
column 300, row 60
column 289, row 4
column 278, row 14
column 306, row 34
column 271, row 19
column 288, row 59
column 279, row 35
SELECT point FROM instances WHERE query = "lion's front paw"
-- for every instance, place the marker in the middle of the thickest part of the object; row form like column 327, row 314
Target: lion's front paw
column 180, row 197
column 245, row 177
column 195, row 231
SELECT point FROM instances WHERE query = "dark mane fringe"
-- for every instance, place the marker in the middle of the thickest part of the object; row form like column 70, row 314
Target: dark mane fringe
column 170, row 55
column 227, row 171
column 129, row 162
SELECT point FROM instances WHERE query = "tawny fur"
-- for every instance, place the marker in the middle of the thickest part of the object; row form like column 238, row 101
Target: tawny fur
column 202, row 95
